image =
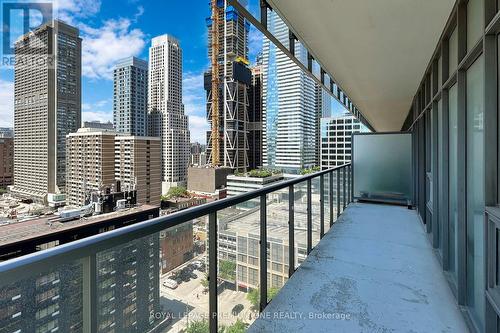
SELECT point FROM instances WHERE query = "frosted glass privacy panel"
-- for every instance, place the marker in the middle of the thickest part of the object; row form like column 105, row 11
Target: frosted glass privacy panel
column 382, row 165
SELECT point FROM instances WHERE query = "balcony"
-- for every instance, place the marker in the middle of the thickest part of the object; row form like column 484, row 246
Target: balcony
column 374, row 271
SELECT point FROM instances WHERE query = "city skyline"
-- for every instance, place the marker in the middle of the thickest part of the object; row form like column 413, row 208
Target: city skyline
column 108, row 37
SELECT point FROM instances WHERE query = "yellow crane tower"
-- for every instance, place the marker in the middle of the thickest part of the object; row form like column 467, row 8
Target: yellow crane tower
column 215, row 85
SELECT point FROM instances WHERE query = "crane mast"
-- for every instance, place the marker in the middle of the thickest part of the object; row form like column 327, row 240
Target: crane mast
column 215, row 134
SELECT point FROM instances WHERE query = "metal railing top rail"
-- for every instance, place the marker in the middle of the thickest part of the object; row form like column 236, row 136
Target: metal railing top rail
column 11, row 270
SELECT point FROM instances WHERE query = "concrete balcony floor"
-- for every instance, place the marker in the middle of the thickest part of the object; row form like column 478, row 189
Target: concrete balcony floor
column 374, row 271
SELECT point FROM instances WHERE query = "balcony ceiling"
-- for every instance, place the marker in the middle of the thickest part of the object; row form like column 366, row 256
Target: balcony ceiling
column 377, row 50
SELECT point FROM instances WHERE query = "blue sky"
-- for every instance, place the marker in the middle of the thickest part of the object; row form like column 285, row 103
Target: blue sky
column 114, row 29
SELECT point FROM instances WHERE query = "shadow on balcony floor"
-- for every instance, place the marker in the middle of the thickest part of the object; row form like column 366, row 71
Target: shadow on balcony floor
column 375, row 271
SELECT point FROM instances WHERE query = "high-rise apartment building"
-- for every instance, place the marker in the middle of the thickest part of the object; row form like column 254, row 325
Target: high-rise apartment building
column 6, row 160
column 196, row 150
column 255, row 117
column 323, row 105
column 47, row 107
column 90, row 164
column 234, row 82
column 289, row 110
column 99, row 160
column 138, row 167
column 336, row 137
column 130, row 96
column 166, row 118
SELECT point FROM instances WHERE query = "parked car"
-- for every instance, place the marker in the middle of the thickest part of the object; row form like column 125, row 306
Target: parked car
column 237, row 309
column 170, row 283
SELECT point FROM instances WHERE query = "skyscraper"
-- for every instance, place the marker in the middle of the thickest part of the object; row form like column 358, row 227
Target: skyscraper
column 323, row 104
column 336, row 137
column 130, row 96
column 289, row 111
column 234, row 78
column 47, row 106
column 166, row 117
column 255, row 117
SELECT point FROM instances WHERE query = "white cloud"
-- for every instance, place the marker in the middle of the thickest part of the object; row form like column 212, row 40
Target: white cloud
column 195, row 105
column 100, row 111
column 193, row 93
column 6, row 103
column 102, row 47
column 198, row 126
column 72, row 10
column 102, row 116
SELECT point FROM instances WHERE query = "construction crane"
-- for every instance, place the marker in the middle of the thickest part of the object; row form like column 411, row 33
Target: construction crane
column 215, row 86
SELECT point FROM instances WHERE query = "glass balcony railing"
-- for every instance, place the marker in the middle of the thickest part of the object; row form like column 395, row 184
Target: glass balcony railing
column 137, row 278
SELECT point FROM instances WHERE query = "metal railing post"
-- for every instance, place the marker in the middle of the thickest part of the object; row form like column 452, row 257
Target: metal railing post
column 338, row 193
column 89, row 295
column 349, row 184
column 343, row 187
column 212, row 271
column 322, row 206
column 309, row 217
column 263, row 252
column 352, row 183
column 291, row 231
column 330, row 190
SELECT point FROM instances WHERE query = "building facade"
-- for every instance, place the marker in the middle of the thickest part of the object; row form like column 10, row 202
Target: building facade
column 127, row 277
column 103, row 160
column 47, row 107
column 234, row 82
column 336, row 137
column 138, row 167
column 130, row 95
column 176, row 246
column 90, row 164
column 255, row 117
column 323, row 104
column 6, row 132
column 99, row 125
column 6, row 162
column 166, row 118
column 289, row 110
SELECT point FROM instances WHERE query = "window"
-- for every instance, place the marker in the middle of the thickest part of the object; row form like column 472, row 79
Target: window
column 453, row 52
column 475, row 189
column 453, row 177
column 475, row 22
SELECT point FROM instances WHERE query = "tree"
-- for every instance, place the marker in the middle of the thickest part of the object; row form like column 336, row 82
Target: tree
column 199, row 326
column 202, row 326
column 227, row 270
column 204, row 281
column 175, row 192
column 253, row 296
column 307, row 171
column 238, row 327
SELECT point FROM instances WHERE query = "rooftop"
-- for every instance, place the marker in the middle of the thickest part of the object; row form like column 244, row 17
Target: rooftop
column 21, row 231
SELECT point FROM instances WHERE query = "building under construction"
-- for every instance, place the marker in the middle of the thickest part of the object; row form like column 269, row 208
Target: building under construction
column 227, row 112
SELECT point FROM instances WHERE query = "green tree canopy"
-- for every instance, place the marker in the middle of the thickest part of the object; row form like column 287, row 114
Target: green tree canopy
column 175, row 192
column 253, row 296
column 227, row 269
column 238, row 327
column 199, row 326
